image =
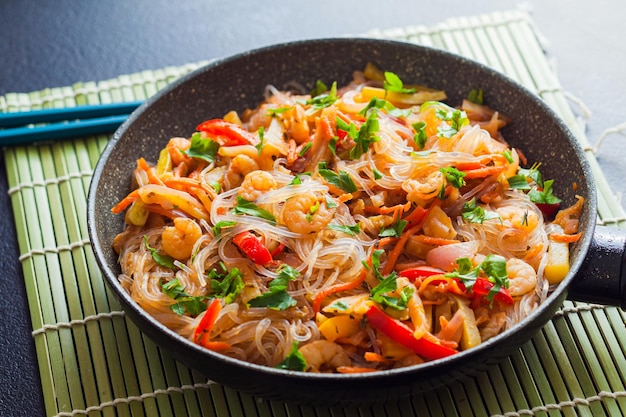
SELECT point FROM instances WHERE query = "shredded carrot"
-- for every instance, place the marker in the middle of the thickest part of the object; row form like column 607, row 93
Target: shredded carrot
column 345, row 286
column 437, row 241
column 374, row 357
column 216, row 346
column 203, row 197
column 386, row 241
column 565, row 238
column 126, row 201
column 354, row 369
column 416, row 215
column 483, row 172
column 469, row 165
column 144, row 166
column 397, row 250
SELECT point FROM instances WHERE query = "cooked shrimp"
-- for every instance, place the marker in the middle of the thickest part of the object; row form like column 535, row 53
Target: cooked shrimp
column 322, row 355
column 255, row 184
column 178, row 240
column 240, row 166
column 522, row 277
column 423, row 188
column 513, row 216
column 175, row 147
column 306, row 213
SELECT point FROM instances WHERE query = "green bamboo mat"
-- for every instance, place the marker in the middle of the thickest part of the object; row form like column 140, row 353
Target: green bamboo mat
column 93, row 361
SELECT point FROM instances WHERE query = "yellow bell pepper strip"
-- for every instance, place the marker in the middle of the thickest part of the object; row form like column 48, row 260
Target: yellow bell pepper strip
column 426, row 346
column 253, row 248
column 226, row 133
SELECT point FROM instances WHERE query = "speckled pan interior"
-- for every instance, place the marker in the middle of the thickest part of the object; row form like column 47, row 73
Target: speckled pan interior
column 237, row 83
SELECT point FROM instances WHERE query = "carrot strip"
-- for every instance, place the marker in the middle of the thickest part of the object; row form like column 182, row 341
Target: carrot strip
column 483, row 172
column 353, row 369
column 386, row 241
column 144, row 166
column 216, row 346
column 374, row 357
column 350, row 285
column 395, row 253
column 416, row 215
column 565, row 238
column 437, row 241
column 126, row 201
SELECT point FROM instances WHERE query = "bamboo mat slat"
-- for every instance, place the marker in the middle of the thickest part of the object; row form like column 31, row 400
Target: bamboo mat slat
column 93, row 361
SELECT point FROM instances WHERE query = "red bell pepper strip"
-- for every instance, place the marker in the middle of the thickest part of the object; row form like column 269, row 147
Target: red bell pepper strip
column 426, row 347
column 203, row 330
column 420, row 271
column 252, row 248
column 548, row 210
column 482, row 287
column 226, row 133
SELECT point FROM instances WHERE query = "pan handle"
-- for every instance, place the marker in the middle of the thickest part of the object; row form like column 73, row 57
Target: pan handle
column 602, row 276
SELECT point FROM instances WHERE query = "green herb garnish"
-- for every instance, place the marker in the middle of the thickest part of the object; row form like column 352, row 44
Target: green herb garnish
column 202, row 148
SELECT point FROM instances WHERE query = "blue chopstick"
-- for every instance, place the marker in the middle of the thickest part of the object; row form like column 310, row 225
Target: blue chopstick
column 22, row 135
column 66, row 113
column 74, row 121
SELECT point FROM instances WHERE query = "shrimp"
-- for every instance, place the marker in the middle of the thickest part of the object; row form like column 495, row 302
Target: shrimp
column 175, row 147
column 306, row 213
column 240, row 166
column 522, row 277
column 423, row 188
column 178, row 240
column 169, row 198
column 322, row 355
column 255, row 184
column 525, row 221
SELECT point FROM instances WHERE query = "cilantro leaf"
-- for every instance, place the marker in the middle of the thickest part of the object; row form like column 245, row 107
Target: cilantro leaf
column 162, row 260
column 457, row 119
column 246, row 207
column 519, row 182
column 277, row 298
column 217, row 229
column 394, row 84
column 341, row 179
column 420, row 137
column 349, row 230
column 390, row 284
column 366, row 136
column 202, row 148
column 544, row 196
column 377, row 103
column 226, row 286
column 192, row 305
column 395, row 230
column 474, row 213
column 259, row 146
column 294, row 361
column 324, row 99
column 320, row 88
column 454, row 176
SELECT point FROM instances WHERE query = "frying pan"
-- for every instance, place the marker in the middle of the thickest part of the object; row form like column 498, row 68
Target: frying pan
column 237, row 83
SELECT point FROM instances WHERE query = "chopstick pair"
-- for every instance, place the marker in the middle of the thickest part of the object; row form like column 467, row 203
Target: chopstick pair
column 23, row 127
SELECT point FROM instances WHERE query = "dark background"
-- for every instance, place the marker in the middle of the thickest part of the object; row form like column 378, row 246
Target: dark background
column 53, row 43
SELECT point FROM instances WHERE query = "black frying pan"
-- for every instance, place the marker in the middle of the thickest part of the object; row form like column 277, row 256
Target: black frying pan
column 238, row 82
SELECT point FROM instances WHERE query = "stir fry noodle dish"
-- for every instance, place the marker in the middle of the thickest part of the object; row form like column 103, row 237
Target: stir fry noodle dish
column 346, row 229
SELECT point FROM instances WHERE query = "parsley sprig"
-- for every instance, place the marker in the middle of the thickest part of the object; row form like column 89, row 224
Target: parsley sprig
column 277, row 298
column 202, row 148
column 493, row 267
column 185, row 303
column 245, row 207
